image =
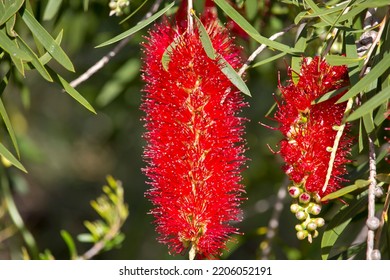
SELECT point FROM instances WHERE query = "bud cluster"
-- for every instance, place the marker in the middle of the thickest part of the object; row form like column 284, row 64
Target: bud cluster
column 305, row 206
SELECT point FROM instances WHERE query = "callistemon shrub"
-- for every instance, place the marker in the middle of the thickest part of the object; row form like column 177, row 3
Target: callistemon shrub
column 309, row 129
column 194, row 150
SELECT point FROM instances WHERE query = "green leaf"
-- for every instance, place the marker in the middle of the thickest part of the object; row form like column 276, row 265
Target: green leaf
column 166, row 57
column 336, row 60
column 375, row 101
column 382, row 114
column 268, row 60
column 70, row 244
column 136, row 28
column 329, row 95
column 248, row 28
column 205, row 39
column 134, row 12
column 359, row 184
column 383, row 177
column 52, row 8
column 46, row 57
column 320, row 12
column 10, row 157
column 338, row 224
column 360, row 143
column 69, row 89
column 360, row 86
column 10, row 8
column 46, row 40
column 35, row 60
column 11, row 47
column 10, row 129
column 232, row 75
column 85, row 238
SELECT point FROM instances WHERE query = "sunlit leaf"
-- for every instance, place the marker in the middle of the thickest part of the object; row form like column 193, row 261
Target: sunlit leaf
column 136, row 28
column 348, row 189
column 46, row 57
column 374, row 74
column 35, row 60
column 11, row 47
column 205, row 39
column 250, row 30
column 72, row 91
column 233, row 76
column 10, row 157
column 375, row 101
column 336, row 60
column 46, row 40
column 10, row 8
column 166, row 57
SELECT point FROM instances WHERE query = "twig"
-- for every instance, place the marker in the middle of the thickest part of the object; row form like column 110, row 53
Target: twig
column 274, row 221
column 261, row 48
column 374, row 43
column 111, row 54
column 384, row 217
column 339, row 134
column 189, row 17
column 371, row 199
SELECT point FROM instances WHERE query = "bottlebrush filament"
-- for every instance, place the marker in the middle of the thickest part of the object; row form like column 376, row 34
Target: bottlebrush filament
column 194, row 150
column 310, row 131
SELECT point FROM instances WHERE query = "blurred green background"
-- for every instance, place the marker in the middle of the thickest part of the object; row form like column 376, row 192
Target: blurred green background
column 68, row 151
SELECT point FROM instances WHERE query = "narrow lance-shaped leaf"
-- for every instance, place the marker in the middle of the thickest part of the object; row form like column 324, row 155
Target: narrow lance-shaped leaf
column 11, row 158
column 248, row 28
column 336, row 60
column 46, row 40
column 70, row 244
column 10, row 129
column 35, row 60
column 375, row 72
column 371, row 104
column 205, row 38
column 233, row 76
column 69, row 89
column 136, row 28
column 10, row 47
column 337, row 226
column 166, row 57
column 10, row 8
column 51, row 9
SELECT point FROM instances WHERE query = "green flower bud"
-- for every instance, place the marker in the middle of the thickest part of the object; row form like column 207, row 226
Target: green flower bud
column 302, row 234
column 294, row 208
column 320, row 222
column 299, row 227
column 315, row 209
column 301, row 215
column 311, row 226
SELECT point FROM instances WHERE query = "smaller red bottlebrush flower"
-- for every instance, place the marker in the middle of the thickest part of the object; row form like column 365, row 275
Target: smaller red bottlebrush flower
column 195, row 149
column 310, row 132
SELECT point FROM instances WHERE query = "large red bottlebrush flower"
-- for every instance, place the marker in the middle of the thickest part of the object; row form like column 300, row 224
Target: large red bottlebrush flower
column 310, row 132
column 194, row 139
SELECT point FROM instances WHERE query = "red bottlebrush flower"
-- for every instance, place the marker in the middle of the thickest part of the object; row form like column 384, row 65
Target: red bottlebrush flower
column 194, row 140
column 310, row 132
